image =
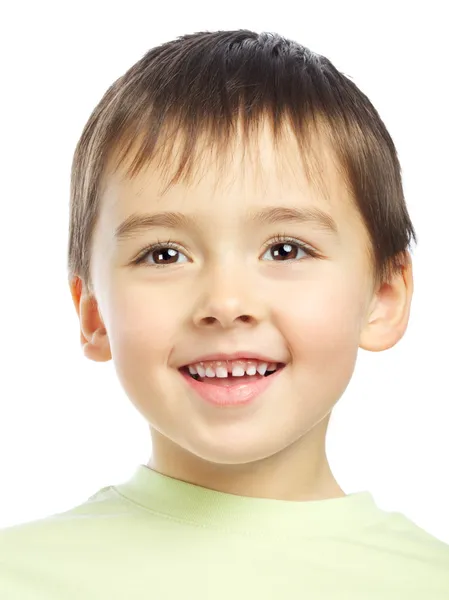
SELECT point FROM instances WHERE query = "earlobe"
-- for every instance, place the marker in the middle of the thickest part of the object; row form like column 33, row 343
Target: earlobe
column 389, row 314
column 97, row 348
column 93, row 335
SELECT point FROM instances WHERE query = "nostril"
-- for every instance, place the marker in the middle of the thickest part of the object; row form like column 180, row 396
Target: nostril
column 209, row 320
column 225, row 321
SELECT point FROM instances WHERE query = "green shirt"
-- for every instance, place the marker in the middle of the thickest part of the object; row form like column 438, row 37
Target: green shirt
column 157, row 538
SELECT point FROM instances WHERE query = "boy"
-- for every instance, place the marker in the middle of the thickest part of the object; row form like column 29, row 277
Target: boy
column 232, row 290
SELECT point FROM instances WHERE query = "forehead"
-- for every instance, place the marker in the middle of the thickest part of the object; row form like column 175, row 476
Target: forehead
column 246, row 177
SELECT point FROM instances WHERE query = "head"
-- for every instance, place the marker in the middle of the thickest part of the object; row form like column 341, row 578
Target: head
column 284, row 233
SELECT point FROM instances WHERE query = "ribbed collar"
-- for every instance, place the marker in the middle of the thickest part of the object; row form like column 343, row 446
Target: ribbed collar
column 241, row 514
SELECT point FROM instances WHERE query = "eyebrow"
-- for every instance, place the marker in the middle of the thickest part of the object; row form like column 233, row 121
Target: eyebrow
column 140, row 222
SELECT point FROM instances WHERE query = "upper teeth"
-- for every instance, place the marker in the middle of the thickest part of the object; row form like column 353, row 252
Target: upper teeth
column 237, row 368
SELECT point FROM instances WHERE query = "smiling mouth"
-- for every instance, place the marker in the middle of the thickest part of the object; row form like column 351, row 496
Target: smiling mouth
column 231, row 379
column 232, row 390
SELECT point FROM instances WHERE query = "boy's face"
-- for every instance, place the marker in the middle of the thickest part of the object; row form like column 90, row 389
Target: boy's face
column 224, row 290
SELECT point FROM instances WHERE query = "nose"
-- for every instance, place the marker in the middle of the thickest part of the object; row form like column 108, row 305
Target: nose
column 228, row 299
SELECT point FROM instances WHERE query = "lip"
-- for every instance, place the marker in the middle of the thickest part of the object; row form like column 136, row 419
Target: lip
column 234, row 395
column 249, row 355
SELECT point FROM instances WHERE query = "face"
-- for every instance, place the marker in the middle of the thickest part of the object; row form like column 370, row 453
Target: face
column 223, row 282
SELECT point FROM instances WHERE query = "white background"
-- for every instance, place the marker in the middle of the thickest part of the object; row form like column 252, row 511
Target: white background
column 66, row 427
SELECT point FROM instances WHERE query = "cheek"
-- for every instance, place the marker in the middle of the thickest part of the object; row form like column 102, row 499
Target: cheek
column 142, row 333
column 322, row 326
column 142, row 328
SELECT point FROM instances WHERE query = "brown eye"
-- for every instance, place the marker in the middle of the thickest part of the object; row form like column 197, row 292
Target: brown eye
column 164, row 256
column 284, row 251
column 161, row 255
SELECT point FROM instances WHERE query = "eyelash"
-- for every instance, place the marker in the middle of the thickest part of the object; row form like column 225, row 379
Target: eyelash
column 278, row 239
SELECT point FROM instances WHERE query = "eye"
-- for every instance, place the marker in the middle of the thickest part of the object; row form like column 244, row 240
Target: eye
column 160, row 255
column 286, row 249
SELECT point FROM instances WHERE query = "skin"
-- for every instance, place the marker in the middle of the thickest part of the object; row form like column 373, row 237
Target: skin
column 225, row 295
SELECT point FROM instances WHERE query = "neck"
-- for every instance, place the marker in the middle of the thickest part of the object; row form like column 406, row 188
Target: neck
column 300, row 472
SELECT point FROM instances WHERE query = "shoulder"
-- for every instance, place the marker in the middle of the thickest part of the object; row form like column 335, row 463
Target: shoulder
column 54, row 527
column 411, row 548
column 37, row 557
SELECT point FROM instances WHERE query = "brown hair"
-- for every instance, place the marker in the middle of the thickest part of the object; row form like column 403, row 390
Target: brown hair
column 200, row 85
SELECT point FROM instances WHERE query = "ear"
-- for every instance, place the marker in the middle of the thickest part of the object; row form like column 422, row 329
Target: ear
column 93, row 336
column 389, row 312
